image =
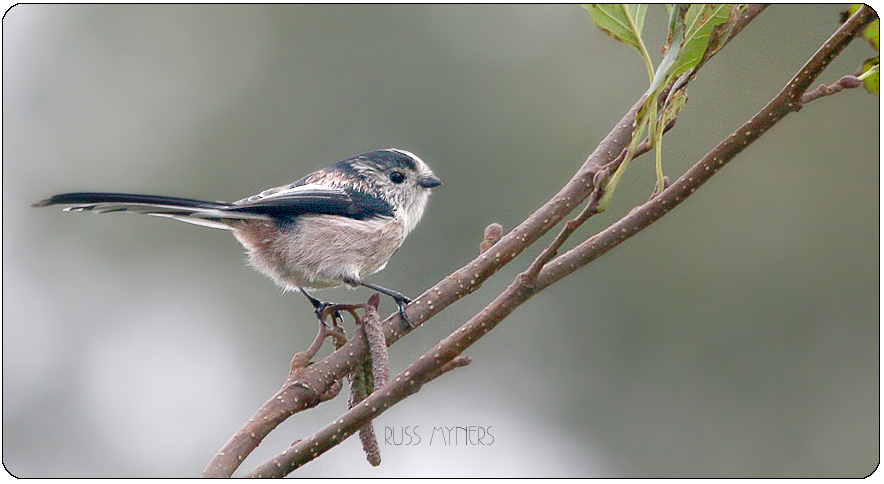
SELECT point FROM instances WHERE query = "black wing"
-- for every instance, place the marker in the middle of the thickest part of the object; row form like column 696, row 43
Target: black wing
column 292, row 201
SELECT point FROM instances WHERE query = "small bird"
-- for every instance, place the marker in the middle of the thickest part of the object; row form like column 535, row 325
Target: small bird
column 335, row 226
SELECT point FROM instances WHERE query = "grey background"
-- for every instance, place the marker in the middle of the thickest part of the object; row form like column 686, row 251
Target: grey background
column 738, row 336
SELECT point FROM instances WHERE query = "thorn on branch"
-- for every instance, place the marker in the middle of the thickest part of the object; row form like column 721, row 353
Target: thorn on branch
column 493, row 232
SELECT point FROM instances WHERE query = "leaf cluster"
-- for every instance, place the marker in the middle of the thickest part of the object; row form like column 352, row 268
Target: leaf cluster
column 696, row 33
column 868, row 73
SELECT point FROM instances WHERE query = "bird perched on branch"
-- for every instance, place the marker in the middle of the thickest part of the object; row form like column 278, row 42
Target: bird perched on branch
column 333, row 227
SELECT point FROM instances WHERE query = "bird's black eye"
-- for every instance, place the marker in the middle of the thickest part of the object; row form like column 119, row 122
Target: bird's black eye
column 397, row 177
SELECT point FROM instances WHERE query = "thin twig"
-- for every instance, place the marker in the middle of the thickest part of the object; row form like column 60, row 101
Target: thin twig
column 529, row 277
column 846, row 82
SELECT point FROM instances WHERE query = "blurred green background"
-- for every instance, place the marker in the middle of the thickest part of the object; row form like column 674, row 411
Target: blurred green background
column 738, row 336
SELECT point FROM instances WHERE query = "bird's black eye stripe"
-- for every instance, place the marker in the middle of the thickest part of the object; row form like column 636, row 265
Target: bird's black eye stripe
column 397, row 177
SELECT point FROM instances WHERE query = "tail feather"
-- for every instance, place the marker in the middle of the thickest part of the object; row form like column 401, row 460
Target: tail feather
column 199, row 212
column 92, row 198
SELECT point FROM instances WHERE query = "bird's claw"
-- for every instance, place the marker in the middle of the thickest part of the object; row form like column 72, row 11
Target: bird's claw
column 403, row 302
column 319, row 308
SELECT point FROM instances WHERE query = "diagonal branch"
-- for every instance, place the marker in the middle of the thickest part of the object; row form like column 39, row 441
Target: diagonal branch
column 427, row 366
column 315, row 380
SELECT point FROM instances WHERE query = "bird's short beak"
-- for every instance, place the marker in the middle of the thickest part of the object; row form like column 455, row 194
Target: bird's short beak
column 429, row 181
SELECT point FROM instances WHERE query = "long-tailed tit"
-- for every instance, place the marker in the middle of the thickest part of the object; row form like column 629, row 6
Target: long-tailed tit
column 334, row 226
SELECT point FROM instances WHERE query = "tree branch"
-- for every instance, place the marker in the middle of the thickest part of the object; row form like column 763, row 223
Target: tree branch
column 320, row 376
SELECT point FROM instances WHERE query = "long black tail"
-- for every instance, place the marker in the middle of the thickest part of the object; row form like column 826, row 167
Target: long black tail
column 199, row 212
column 93, row 198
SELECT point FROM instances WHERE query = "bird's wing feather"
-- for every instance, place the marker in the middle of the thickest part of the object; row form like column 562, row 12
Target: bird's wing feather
column 292, row 201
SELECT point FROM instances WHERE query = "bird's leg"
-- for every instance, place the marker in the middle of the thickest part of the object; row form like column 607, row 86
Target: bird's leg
column 401, row 300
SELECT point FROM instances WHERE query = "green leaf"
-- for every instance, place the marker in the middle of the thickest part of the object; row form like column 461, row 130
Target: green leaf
column 872, row 33
column 871, row 75
column 621, row 21
column 707, row 27
column 721, row 33
column 673, row 49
